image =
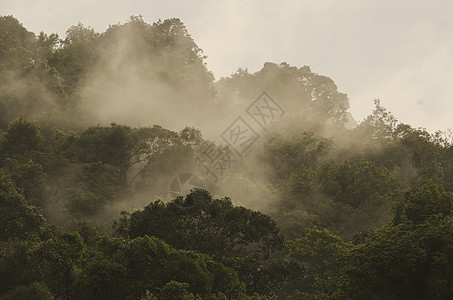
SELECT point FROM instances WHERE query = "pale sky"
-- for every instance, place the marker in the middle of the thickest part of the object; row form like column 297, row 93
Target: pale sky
column 398, row 51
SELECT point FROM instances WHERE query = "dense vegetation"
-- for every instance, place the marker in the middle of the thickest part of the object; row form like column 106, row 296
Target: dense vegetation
column 317, row 208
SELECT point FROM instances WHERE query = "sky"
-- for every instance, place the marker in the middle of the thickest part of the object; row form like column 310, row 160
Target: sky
column 398, row 51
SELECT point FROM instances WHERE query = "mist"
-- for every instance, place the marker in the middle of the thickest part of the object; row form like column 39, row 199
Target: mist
column 124, row 148
column 140, row 75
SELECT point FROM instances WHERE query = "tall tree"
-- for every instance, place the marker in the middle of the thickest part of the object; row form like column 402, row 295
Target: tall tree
column 124, row 147
column 19, row 220
column 238, row 237
column 57, row 261
column 29, row 86
column 409, row 259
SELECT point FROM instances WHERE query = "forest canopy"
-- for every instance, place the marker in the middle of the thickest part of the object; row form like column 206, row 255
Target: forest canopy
column 127, row 171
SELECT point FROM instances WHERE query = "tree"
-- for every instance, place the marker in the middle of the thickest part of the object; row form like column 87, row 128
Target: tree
column 92, row 187
column 428, row 203
column 324, row 254
column 101, row 279
column 29, row 178
column 425, row 154
column 386, row 266
column 238, row 237
column 15, row 269
column 19, row 220
column 412, row 257
column 157, row 67
column 176, row 290
column 29, row 86
column 16, row 43
column 33, row 291
column 286, row 155
column 311, row 101
column 183, row 54
column 75, row 56
column 22, row 135
column 149, row 264
column 212, row 226
column 344, row 198
column 381, row 124
column 359, row 184
column 123, row 147
column 57, row 260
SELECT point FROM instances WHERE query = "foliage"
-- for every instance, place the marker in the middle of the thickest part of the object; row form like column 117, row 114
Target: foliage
column 58, row 260
column 324, row 253
column 22, row 136
column 34, row 291
column 129, row 268
column 284, row 156
column 366, row 211
column 410, row 259
column 311, row 99
column 238, row 237
column 19, row 220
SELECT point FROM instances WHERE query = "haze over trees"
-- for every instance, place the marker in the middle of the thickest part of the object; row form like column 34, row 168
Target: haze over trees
column 117, row 181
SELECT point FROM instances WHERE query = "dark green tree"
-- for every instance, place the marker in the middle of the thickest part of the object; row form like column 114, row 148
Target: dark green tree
column 75, row 56
column 22, row 136
column 123, row 147
column 324, row 255
column 29, row 178
column 311, row 101
column 359, row 184
column 29, row 86
column 409, row 259
column 15, row 269
column 101, row 279
column 19, row 219
column 57, row 261
column 284, row 155
column 33, row 291
column 238, row 237
column 132, row 267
